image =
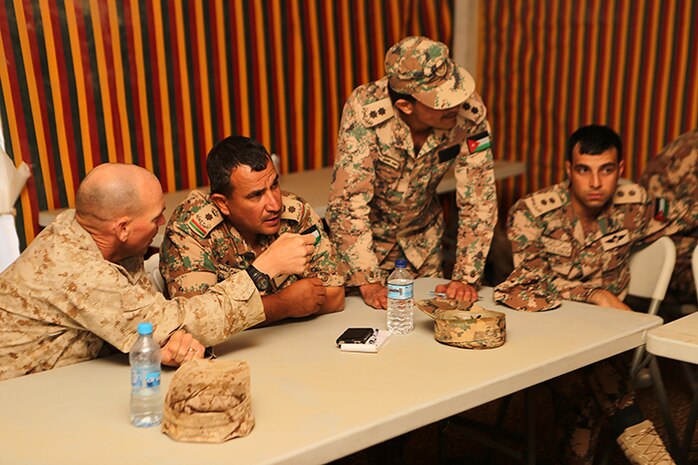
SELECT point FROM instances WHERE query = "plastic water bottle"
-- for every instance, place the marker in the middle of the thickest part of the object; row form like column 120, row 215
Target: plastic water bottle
column 400, row 301
column 146, row 399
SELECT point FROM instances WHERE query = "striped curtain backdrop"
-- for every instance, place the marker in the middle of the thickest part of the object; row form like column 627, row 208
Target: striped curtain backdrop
column 158, row 82
column 548, row 67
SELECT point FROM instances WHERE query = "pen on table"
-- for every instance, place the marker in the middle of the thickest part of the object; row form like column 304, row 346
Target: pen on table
column 442, row 295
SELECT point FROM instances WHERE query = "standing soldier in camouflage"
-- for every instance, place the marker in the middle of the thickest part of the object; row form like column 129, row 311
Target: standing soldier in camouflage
column 398, row 137
column 247, row 223
column 81, row 283
column 572, row 241
column 673, row 175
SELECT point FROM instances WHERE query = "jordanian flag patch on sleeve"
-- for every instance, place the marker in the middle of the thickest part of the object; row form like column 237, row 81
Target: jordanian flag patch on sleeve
column 479, row 142
column 661, row 209
column 197, row 228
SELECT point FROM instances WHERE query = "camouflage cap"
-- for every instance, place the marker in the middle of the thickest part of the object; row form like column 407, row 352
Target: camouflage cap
column 476, row 328
column 209, row 401
column 421, row 67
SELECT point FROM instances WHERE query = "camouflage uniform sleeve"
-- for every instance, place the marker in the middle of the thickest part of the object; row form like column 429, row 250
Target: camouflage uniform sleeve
column 663, row 217
column 351, row 192
column 533, row 286
column 185, row 263
column 323, row 263
column 112, row 305
column 476, row 197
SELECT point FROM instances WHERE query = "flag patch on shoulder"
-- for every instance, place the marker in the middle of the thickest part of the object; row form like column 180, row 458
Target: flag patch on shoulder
column 479, row 142
column 197, row 228
column 661, row 209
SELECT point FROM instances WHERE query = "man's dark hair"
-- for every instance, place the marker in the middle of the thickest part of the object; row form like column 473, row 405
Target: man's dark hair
column 395, row 96
column 230, row 153
column 594, row 140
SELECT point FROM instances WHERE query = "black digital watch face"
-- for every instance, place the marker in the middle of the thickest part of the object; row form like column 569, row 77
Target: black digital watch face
column 263, row 283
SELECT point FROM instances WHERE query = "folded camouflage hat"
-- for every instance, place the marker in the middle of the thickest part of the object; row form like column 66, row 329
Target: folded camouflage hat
column 421, row 67
column 209, row 401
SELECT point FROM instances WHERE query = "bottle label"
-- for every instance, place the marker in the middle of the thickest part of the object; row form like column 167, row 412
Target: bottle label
column 400, row 291
column 144, row 378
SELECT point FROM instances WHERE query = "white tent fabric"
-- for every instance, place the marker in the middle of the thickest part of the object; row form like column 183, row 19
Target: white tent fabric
column 12, row 181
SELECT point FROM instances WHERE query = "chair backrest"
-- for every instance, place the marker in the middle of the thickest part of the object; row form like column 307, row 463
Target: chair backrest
column 9, row 243
column 650, row 270
column 152, row 270
column 694, row 261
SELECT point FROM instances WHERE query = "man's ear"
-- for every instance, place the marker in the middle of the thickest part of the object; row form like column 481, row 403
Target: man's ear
column 221, row 202
column 621, row 168
column 405, row 106
column 568, row 169
column 121, row 228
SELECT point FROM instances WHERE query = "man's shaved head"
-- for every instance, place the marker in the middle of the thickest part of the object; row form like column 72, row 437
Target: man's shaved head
column 112, row 190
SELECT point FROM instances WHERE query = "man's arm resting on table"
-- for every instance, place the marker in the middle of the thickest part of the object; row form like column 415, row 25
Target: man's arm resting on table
column 375, row 295
column 302, row 298
column 458, row 290
column 334, row 300
column 181, row 347
column 604, row 298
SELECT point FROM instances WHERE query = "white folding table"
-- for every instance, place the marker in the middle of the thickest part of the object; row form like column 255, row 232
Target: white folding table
column 677, row 340
column 312, row 402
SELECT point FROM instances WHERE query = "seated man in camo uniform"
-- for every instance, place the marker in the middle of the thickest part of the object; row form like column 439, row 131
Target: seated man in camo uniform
column 247, row 223
column 572, row 241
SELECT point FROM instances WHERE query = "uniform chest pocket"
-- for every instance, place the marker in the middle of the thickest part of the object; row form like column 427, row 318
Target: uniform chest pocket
column 560, row 253
column 616, row 249
column 388, row 171
column 559, row 247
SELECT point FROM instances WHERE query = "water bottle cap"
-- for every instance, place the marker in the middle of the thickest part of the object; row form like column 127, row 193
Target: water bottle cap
column 400, row 263
column 145, row 328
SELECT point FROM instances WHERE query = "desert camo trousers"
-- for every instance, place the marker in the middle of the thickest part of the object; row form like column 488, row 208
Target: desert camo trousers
column 583, row 398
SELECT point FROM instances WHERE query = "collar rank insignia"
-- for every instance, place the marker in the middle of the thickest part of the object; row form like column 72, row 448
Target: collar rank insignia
column 479, row 142
column 661, row 209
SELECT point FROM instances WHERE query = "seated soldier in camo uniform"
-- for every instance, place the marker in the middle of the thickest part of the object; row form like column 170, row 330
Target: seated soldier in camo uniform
column 80, row 288
column 248, row 223
column 572, row 241
column 673, row 175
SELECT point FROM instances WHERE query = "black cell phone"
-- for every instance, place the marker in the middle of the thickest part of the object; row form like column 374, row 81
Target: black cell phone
column 355, row 336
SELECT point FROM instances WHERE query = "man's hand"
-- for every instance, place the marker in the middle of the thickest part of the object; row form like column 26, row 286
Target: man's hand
column 604, row 298
column 302, row 298
column 458, row 290
column 180, row 348
column 289, row 254
column 375, row 295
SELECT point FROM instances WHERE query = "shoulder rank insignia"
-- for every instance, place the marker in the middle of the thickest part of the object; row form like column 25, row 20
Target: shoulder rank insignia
column 377, row 112
column 629, row 193
column 543, row 202
column 292, row 207
column 661, row 209
column 474, row 110
column 616, row 239
column 203, row 221
column 478, row 142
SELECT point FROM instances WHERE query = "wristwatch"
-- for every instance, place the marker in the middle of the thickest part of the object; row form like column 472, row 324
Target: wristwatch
column 262, row 281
